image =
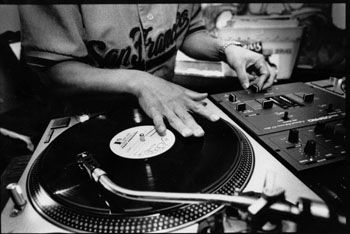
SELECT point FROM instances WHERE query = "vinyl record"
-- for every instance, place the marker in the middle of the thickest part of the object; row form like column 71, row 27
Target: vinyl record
column 193, row 164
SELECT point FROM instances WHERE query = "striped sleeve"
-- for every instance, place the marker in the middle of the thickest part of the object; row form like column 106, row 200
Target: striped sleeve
column 51, row 34
column 197, row 22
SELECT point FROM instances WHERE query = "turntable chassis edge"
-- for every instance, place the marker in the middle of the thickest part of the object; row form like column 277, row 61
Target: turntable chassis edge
column 29, row 221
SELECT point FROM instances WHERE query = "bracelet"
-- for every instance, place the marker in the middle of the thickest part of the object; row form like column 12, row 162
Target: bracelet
column 227, row 44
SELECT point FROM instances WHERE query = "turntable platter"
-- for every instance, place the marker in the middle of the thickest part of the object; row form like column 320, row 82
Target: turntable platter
column 136, row 157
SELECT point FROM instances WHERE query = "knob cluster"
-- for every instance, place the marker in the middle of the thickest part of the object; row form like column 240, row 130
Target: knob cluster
column 310, row 146
column 335, row 132
column 240, row 106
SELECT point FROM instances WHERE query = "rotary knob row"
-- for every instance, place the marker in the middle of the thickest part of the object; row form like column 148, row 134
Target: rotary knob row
column 265, row 103
column 310, row 146
column 336, row 132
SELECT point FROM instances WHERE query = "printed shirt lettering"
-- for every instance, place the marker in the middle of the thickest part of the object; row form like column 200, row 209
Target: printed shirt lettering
column 131, row 56
column 122, row 37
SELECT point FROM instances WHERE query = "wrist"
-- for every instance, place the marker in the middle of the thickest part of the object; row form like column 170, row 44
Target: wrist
column 135, row 82
column 223, row 45
column 139, row 82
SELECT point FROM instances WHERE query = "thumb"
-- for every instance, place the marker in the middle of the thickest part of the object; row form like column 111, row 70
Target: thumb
column 242, row 76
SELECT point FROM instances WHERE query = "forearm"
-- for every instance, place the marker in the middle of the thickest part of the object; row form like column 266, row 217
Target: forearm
column 72, row 77
column 202, row 46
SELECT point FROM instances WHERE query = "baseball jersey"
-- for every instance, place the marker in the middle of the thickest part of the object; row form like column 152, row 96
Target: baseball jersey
column 131, row 36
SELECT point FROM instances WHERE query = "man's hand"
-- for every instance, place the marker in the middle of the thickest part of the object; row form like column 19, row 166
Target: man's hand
column 157, row 97
column 251, row 67
column 162, row 99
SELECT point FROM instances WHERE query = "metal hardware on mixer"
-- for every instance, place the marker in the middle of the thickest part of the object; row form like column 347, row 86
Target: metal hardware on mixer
column 16, row 195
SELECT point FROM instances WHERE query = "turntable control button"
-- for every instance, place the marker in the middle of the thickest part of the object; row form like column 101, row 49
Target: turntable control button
column 293, row 136
column 310, row 148
column 17, row 197
column 232, row 97
column 241, row 106
column 267, row 104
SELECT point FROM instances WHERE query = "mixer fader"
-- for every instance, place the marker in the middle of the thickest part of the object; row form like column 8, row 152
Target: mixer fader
column 299, row 123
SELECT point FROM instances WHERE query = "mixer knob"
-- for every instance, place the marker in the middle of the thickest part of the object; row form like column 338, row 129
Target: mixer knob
column 240, row 106
column 339, row 134
column 328, row 131
column 232, row 97
column 308, row 97
column 319, row 127
column 293, row 136
column 330, row 107
column 285, row 115
column 310, row 148
column 255, row 88
column 267, row 104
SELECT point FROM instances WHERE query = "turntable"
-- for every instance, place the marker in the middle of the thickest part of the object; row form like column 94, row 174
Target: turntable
column 111, row 172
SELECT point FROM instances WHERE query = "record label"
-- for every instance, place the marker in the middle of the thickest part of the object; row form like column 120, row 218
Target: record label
column 141, row 142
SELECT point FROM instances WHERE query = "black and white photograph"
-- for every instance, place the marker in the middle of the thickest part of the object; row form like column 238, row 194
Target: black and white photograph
column 173, row 117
